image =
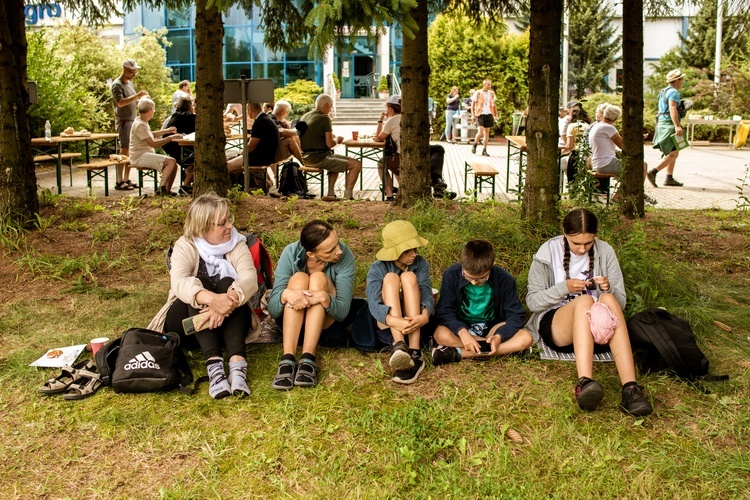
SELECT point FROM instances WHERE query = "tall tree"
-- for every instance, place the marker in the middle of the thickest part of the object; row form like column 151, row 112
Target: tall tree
column 415, row 126
column 210, row 160
column 632, row 106
column 594, row 45
column 541, row 191
column 18, row 200
column 699, row 46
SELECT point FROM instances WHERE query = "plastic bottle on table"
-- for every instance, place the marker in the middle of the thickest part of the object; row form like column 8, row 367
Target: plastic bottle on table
column 47, row 131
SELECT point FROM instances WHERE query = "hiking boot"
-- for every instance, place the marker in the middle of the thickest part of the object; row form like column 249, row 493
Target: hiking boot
column 588, row 394
column 474, row 149
column 485, row 153
column 442, row 355
column 400, row 356
column 651, row 176
column 671, row 181
column 410, row 375
column 634, row 402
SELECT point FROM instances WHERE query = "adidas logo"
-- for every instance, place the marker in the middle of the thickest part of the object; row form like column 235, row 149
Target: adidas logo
column 142, row 361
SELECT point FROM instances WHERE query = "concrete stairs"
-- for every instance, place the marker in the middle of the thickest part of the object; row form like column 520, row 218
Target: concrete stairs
column 358, row 111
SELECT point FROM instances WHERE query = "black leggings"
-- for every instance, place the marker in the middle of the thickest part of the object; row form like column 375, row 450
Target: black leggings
column 231, row 333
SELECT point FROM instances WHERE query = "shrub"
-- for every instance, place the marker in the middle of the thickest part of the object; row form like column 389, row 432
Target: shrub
column 71, row 65
column 383, row 84
column 301, row 95
column 464, row 53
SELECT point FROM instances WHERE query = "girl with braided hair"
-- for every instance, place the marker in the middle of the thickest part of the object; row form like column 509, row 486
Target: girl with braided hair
column 576, row 294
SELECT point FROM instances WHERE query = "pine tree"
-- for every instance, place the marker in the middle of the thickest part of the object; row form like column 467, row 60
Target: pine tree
column 593, row 45
column 699, row 46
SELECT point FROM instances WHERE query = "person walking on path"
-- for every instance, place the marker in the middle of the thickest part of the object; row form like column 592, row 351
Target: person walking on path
column 486, row 114
column 668, row 124
column 453, row 102
column 124, row 97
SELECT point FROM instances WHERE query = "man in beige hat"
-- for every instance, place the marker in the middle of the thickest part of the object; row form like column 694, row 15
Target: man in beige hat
column 668, row 124
column 124, row 98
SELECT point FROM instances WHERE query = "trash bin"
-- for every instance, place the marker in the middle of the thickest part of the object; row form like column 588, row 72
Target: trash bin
column 741, row 136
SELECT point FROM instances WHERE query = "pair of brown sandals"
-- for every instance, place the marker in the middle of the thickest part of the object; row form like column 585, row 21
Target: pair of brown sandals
column 74, row 382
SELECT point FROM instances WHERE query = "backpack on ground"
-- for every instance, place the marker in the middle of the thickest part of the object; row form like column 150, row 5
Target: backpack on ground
column 144, row 361
column 291, row 180
column 263, row 266
column 662, row 341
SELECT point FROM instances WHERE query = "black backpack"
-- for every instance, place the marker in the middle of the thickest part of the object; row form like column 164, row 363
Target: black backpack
column 144, row 361
column 662, row 341
column 291, row 180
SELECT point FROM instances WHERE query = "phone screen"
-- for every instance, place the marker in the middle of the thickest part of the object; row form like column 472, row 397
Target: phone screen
column 485, row 346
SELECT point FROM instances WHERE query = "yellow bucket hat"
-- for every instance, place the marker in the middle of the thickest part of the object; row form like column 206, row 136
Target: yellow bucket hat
column 398, row 237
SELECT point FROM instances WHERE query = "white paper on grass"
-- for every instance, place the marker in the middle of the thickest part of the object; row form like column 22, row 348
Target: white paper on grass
column 67, row 358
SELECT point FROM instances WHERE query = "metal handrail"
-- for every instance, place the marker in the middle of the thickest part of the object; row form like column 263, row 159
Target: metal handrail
column 330, row 83
column 396, row 86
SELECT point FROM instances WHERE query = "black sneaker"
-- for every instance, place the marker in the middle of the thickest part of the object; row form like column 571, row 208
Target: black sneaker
column 588, row 394
column 474, row 149
column 400, row 356
column 185, row 191
column 651, row 175
column 671, row 181
column 485, row 153
column 442, row 355
column 410, row 375
column 634, row 402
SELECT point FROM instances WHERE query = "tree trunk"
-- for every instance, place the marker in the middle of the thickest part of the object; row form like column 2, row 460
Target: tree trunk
column 541, row 191
column 210, row 159
column 631, row 179
column 18, row 199
column 415, row 125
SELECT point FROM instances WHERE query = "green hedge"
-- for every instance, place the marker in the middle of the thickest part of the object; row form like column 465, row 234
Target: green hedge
column 71, row 65
column 464, row 54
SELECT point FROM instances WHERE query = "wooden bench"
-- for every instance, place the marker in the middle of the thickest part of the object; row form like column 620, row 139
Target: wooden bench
column 312, row 174
column 63, row 156
column 100, row 169
column 601, row 176
column 483, row 172
column 146, row 173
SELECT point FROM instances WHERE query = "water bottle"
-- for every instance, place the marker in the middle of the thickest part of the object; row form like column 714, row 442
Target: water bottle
column 47, row 131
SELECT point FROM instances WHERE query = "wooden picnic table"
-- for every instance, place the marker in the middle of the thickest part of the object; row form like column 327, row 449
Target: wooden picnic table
column 366, row 149
column 54, row 146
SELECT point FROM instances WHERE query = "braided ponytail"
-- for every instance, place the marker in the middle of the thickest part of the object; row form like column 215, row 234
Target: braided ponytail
column 566, row 258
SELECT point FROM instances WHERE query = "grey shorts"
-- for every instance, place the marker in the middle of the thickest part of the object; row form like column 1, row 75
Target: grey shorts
column 334, row 163
column 123, row 128
column 613, row 167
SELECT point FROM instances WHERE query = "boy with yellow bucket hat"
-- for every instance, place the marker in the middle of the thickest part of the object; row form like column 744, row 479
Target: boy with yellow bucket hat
column 399, row 297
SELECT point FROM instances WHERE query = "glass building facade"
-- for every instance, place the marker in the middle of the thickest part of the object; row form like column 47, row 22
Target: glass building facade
column 246, row 54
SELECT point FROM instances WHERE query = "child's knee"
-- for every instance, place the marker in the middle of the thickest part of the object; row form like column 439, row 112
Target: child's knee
column 409, row 279
column 524, row 338
column 391, row 279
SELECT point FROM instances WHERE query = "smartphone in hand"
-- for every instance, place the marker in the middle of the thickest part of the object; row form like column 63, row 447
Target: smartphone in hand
column 484, row 346
column 195, row 323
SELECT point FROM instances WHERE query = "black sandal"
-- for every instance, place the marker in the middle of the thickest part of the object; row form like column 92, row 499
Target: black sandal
column 284, row 379
column 124, row 186
column 307, row 373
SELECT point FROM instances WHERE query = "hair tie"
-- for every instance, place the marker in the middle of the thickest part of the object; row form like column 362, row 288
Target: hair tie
column 603, row 322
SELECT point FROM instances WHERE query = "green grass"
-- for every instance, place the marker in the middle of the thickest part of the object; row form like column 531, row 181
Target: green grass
column 358, row 434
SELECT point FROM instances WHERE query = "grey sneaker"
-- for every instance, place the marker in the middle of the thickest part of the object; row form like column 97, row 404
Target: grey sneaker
column 651, row 175
column 649, row 200
column 671, row 181
column 485, row 153
column 634, row 402
column 400, row 356
column 474, row 149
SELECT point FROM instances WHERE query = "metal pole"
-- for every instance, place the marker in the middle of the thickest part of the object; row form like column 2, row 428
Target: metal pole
column 717, row 60
column 243, row 85
column 565, row 55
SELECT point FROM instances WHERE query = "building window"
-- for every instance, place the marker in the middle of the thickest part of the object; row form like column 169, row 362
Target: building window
column 618, row 80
